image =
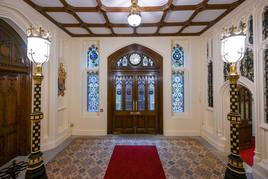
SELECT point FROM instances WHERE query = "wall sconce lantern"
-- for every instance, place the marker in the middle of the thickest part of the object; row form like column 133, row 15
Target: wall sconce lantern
column 232, row 50
column 38, row 50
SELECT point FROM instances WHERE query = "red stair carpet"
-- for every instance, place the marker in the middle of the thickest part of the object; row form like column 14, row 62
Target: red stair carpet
column 248, row 154
column 135, row 162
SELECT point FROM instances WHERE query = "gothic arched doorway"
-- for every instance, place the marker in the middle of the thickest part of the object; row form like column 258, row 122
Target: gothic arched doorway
column 135, row 94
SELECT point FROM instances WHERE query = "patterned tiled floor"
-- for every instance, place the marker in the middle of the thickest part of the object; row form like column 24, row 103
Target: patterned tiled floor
column 181, row 157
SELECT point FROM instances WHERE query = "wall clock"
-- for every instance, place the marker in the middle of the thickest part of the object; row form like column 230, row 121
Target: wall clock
column 135, row 59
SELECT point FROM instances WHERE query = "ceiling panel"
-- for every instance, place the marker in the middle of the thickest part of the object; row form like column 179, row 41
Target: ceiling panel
column 63, row 17
column 146, row 30
column 221, row 1
column 117, row 17
column 170, row 29
column 77, row 30
column 92, row 17
column 208, row 15
column 114, row 3
column 151, row 17
column 186, row 2
column 193, row 29
column 81, row 3
column 123, row 30
column 143, row 3
column 100, row 30
column 178, row 16
column 48, row 3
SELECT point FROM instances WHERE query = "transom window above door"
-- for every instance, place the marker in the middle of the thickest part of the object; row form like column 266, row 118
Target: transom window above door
column 135, row 59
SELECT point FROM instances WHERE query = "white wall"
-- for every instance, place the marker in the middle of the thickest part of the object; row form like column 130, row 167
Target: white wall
column 86, row 124
column 55, row 127
column 215, row 127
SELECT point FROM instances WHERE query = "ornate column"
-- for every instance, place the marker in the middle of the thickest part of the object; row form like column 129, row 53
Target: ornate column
column 235, row 169
column 36, row 168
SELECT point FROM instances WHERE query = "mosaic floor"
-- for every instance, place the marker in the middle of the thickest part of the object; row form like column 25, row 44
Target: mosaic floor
column 181, row 157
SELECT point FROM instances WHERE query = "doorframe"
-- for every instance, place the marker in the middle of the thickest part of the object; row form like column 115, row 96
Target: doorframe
column 112, row 59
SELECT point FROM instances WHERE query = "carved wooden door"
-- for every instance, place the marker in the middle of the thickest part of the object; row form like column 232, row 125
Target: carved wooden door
column 135, row 99
column 135, row 91
column 15, row 95
column 245, row 110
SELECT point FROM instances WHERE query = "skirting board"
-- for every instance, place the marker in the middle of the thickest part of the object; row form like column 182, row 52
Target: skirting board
column 89, row 132
column 181, row 133
column 260, row 170
column 52, row 144
column 218, row 144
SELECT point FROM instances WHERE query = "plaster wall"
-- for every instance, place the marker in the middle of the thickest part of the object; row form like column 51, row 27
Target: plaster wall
column 215, row 127
column 187, row 123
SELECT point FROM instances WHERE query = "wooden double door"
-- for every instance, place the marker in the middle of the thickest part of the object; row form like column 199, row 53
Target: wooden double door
column 135, row 103
column 135, row 92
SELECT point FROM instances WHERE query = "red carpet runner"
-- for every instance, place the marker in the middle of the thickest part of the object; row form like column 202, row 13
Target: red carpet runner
column 248, row 154
column 135, row 162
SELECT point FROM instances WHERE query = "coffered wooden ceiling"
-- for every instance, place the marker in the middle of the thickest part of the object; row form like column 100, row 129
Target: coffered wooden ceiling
column 104, row 18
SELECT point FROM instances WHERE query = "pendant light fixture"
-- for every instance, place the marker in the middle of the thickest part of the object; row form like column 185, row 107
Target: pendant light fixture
column 134, row 17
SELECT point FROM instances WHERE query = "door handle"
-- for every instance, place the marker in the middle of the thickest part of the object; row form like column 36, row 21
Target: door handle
column 135, row 113
column 136, row 105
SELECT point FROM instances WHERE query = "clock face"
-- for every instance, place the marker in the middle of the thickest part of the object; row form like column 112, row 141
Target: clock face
column 135, row 59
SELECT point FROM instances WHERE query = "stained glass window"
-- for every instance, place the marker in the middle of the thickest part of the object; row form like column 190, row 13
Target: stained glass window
column 128, row 97
column 119, row 92
column 93, row 92
column 266, row 83
column 210, row 84
column 141, row 93
column 265, row 23
column 92, row 79
column 92, row 57
column 177, row 58
column 125, row 61
column 178, row 92
column 247, row 65
column 250, row 30
column 226, row 68
column 151, row 93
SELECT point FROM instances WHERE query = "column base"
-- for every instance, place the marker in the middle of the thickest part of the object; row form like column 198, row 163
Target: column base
column 38, row 173
column 229, row 174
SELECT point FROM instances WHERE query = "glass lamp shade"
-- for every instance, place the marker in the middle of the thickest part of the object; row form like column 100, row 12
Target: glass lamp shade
column 38, row 49
column 233, row 48
column 134, row 19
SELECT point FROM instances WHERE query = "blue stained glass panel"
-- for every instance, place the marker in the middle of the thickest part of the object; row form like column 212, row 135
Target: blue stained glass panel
column 92, row 92
column 141, row 93
column 92, row 57
column 178, row 92
column 119, row 91
column 177, row 56
column 128, row 93
column 151, row 93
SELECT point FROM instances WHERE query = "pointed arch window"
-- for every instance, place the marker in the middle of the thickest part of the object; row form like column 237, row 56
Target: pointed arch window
column 210, row 73
column 247, row 63
column 178, row 78
column 265, row 23
column 93, row 79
